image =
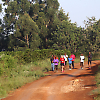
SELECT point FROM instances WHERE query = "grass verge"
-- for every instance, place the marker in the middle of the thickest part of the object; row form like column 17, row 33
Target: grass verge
column 13, row 78
column 96, row 92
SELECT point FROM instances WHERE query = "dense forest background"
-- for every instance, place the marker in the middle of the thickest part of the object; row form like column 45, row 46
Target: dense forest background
column 40, row 24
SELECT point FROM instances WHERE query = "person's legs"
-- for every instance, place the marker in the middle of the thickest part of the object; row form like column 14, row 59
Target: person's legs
column 73, row 64
column 65, row 62
column 62, row 67
column 56, row 67
column 69, row 66
column 52, row 66
column 88, row 62
column 81, row 65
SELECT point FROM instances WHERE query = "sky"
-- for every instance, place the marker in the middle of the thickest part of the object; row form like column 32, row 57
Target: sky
column 79, row 10
column 2, row 13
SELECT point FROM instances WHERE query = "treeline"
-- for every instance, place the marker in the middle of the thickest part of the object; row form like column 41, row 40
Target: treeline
column 39, row 24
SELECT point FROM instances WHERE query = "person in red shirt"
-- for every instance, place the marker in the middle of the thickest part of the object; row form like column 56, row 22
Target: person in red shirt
column 62, row 63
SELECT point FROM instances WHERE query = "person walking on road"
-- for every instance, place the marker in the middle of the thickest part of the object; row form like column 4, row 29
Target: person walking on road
column 73, row 59
column 70, row 62
column 89, row 60
column 62, row 63
column 56, row 61
column 65, row 57
column 82, row 58
column 52, row 64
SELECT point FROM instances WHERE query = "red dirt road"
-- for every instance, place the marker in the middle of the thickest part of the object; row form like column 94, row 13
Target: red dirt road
column 70, row 85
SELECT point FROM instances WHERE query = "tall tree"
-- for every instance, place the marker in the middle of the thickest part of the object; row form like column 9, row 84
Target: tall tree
column 27, row 31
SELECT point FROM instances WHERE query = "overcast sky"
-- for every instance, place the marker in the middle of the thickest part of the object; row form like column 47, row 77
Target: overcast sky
column 79, row 10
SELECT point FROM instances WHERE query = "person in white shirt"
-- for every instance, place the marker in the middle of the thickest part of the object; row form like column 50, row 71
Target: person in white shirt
column 65, row 57
column 82, row 58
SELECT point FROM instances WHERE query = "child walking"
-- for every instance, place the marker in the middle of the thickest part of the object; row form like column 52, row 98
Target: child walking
column 70, row 62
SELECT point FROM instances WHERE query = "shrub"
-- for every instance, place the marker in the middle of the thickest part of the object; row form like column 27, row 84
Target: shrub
column 9, row 61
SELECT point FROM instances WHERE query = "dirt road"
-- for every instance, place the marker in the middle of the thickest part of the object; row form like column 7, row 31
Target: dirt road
column 70, row 85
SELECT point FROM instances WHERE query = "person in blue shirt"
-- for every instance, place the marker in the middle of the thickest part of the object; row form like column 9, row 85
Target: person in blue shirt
column 70, row 62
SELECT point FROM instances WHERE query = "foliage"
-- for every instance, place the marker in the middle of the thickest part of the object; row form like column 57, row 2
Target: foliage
column 9, row 61
column 97, row 90
column 27, row 32
column 40, row 24
column 24, row 73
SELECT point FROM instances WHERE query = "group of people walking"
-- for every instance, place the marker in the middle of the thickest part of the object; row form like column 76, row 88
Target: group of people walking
column 64, row 59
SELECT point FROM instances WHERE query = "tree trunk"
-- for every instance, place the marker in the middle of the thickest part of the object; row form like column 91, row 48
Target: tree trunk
column 27, row 41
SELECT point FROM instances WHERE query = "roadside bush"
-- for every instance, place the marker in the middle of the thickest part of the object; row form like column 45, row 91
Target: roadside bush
column 28, row 55
column 1, row 69
column 9, row 61
column 96, row 91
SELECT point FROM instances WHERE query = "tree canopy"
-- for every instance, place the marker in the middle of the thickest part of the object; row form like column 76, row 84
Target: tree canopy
column 40, row 24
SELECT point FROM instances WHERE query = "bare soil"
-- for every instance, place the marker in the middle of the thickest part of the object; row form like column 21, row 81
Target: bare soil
column 75, row 84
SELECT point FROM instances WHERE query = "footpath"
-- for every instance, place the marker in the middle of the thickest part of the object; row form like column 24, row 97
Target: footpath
column 75, row 84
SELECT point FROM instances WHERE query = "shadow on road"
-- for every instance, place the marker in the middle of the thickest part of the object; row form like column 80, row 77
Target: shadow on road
column 92, row 72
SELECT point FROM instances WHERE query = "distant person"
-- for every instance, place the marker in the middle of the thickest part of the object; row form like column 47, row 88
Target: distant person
column 82, row 58
column 62, row 63
column 52, row 64
column 70, row 62
column 56, row 61
column 73, row 59
column 89, row 60
column 65, row 57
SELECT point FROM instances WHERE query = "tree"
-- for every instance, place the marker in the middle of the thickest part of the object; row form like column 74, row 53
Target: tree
column 44, row 15
column 92, row 34
column 27, row 31
column 0, row 8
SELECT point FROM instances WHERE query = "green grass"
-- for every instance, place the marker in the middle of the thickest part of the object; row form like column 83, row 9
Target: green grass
column 97, row 91
column 13, row 78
